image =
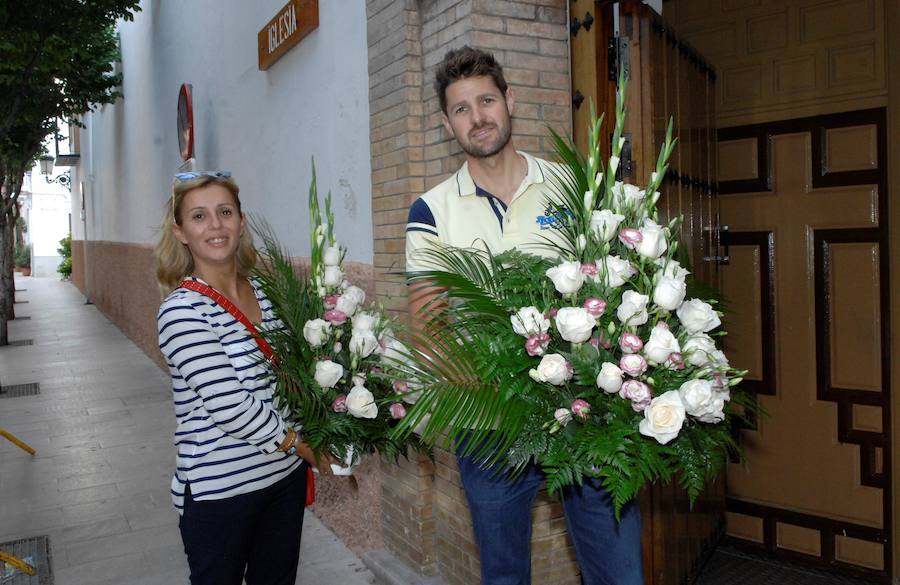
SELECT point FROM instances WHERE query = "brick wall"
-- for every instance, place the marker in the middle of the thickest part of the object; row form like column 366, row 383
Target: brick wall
column 426, row 520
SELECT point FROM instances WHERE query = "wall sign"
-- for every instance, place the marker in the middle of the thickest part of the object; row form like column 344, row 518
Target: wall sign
column 294, row 21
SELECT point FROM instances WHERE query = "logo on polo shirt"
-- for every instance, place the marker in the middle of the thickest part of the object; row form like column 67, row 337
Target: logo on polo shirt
column 554, row 218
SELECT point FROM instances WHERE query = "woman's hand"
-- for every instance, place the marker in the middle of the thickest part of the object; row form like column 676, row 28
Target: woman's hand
column 320, row 461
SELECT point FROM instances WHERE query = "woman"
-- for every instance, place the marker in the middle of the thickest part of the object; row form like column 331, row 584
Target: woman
column 240, row 481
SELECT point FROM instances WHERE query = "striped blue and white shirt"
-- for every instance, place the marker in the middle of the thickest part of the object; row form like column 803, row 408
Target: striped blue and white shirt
column 228, row 429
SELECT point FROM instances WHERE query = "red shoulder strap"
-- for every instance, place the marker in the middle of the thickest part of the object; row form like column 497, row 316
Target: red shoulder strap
column 223, row 302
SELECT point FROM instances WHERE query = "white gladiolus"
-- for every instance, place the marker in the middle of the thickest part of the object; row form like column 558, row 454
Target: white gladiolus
column 333, row 276
column 588, row 200
column 613, row 164
column 529, row 321
column 328, row 373
column 331, row 256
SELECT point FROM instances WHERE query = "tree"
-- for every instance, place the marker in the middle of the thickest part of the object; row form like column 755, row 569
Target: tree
column 56, row 62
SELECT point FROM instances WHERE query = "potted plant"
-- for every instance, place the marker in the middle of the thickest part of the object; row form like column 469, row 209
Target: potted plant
column 65, row 250
column 22, row 259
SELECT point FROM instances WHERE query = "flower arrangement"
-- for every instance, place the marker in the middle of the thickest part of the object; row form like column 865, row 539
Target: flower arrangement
column 594, row 358
column 332, row 346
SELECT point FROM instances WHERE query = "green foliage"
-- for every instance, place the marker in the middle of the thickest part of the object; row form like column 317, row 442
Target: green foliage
column 65, row 250
column 22, row 257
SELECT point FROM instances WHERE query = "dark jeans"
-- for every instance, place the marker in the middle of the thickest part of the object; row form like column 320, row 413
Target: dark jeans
column 257, row 533
column 609, row 553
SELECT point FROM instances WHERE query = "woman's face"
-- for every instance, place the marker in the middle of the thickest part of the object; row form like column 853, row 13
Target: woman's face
column 211, row 225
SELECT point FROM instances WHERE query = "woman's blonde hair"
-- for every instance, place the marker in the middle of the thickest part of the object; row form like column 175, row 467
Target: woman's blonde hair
column 173, row 259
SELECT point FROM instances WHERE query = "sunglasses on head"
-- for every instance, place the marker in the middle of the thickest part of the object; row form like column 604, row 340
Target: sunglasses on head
column 191, row 175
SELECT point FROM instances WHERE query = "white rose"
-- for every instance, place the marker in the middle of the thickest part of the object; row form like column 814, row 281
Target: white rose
column 626, row 195
column 610, row 378
column 331, row 256
column 362, row 343
column 315, row 332
column 605, row 223
column 719, row 358
column 671, row 268
column 347, row 305
column 698, row 349
column 364, row 322
column 350, row 300
column 328, row 373
column 553, row 369
column 653, row 243
column 633, row 310
column 333, row 276
column 669, row 292
column 529, row 321
column 575, row 324
column 615, row 271
column 697, row 316
column 567, row 277
column 664, row 417
column 361, row 403
column 661, row 344
column 702, row 401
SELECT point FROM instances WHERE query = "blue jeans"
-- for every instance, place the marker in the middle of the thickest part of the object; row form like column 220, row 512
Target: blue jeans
column 256, row 533
column 608, row 553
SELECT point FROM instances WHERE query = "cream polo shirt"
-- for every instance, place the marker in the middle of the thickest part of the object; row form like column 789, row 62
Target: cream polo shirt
column 459, row 213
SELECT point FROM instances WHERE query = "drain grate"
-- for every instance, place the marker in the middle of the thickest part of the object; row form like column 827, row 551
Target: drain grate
column 23, row 318
column 21, row 341
column 18, row 390
column 38, row 548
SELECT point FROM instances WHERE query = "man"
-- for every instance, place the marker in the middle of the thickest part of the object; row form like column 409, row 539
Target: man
column 498, row 199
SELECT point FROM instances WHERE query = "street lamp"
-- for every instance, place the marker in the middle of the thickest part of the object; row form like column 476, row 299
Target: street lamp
column 63, row 179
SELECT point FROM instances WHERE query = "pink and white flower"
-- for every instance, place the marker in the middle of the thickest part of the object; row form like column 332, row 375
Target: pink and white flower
column 398, row 411
column 580, row 408
column 336, row 317
column 633, row 364
column 630, row 343
column 630, row 237
column 638, row 393
column 595, row 306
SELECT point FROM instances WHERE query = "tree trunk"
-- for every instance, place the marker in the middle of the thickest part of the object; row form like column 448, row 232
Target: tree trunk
column 7, row 282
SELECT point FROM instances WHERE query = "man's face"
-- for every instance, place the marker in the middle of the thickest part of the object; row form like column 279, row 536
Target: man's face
column 478, row 115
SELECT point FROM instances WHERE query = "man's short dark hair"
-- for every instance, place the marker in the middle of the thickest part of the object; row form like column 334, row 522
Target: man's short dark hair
column 463, row 63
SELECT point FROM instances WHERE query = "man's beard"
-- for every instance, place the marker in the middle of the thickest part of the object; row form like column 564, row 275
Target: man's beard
column 504, row 134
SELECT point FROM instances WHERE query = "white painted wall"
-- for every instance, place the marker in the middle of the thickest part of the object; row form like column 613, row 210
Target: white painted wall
column 264, row 126
column 47, row 216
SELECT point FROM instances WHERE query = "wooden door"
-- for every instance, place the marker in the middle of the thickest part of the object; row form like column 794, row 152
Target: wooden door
column 802, row 170
column 667, row 78
column 806, row 204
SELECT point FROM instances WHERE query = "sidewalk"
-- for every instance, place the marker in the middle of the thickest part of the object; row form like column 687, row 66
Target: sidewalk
column 102, row 427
